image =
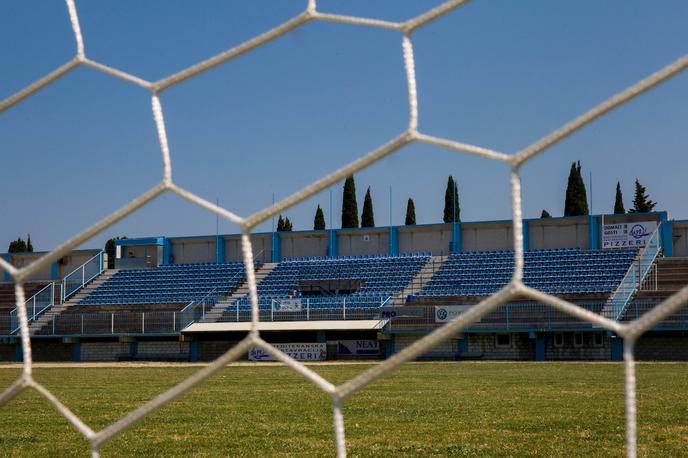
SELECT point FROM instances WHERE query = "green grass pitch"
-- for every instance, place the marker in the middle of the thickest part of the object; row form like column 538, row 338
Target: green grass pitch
column 422, row 409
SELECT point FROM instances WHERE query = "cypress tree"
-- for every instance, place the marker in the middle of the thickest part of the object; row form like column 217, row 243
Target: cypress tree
column 410, row 213
column 349, row 205
column 29, row 246
column 367, row 217
column 641, row 201
column 280, row 224
column 451, row 198
column 618, row 203
column 319, row 221
column 545, row 214
column 576, row 202
column 287, row 224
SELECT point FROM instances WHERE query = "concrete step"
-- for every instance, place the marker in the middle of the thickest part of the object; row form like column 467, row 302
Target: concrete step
column 216, row 312
column 419, row 281
column 47, row 316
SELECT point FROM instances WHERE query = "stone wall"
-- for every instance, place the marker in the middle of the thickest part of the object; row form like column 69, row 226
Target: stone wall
column 578, row 346
column 104, row 351
column 662, row 347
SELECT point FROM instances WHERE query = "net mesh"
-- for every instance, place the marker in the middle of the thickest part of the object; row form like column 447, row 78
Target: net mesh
column 630, row 331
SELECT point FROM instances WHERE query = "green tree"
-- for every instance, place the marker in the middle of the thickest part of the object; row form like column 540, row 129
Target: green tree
column 452, row 209
column 349, row 205
column 410, row 213
column 576, row 202
column 29, row 246
column 618, row 203
column 280, row 224
column 319, row 221
column 641, row 201
column 287, row 224
column 111, row 250
column 545, row 214
column 17, row 246
column 368, row 217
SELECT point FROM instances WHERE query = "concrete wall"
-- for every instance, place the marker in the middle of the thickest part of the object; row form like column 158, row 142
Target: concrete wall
column 24, row 259
column 73, row 260
column 558, row 233
column 303, row 244
column 358, row 242
column 435, row 238
column 262, row 248
column 680, row 238
column 487, row 236
column 193, row 250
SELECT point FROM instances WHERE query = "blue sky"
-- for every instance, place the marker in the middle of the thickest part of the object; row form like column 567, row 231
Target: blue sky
column 499, row 74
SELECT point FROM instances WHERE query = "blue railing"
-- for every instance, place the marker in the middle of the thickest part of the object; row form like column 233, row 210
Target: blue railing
column 635, row 276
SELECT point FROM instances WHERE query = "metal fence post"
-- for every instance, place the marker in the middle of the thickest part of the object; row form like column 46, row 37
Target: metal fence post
column 237, row 307
column 308, row 309
column 272, row 310
column 112, row 323
column 53, row 324
column 174, row 321
column 344, row 308
column 143, row 322
column 82, row 324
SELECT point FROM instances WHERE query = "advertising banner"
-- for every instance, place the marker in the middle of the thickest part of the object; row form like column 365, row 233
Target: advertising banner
column 627, row 235
column 446, row 313
column 406, row 311
column 298, row 351
column 358, row 347
column 287, row 305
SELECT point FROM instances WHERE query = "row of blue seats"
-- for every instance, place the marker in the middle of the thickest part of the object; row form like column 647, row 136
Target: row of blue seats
column 364, row 257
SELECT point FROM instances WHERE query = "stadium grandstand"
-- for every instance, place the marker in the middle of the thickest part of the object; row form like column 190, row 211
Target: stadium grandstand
column 364, row 293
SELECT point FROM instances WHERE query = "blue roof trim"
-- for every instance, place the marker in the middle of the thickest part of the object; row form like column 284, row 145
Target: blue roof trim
column 140, row 242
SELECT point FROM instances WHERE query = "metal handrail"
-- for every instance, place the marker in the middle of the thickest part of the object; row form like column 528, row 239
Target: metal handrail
column 64, row 295
column 635, row 275
column 30, row 316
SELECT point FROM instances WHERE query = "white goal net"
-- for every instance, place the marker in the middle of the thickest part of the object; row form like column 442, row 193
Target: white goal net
column 338, row 393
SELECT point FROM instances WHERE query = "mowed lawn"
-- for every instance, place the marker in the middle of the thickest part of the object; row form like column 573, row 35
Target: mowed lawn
column 422, row 409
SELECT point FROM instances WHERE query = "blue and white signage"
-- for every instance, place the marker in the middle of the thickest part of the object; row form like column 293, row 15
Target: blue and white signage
column 446, row 313
column 287, row 305
column 358, row 347
column 627, row 235
column 298, row 351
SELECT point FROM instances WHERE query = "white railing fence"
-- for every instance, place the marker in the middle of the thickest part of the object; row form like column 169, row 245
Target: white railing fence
column 636, row 275
column 35, row 305
column 80, row 276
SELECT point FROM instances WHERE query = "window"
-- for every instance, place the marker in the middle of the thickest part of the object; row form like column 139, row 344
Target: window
column 504, row 340
column 597, row 339
column 558, row 339
column 577, row 339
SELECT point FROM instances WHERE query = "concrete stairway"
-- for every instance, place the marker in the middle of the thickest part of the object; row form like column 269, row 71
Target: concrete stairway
column 671, row 275
column 419, row 281
column 216, row 312
column 47, row 317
